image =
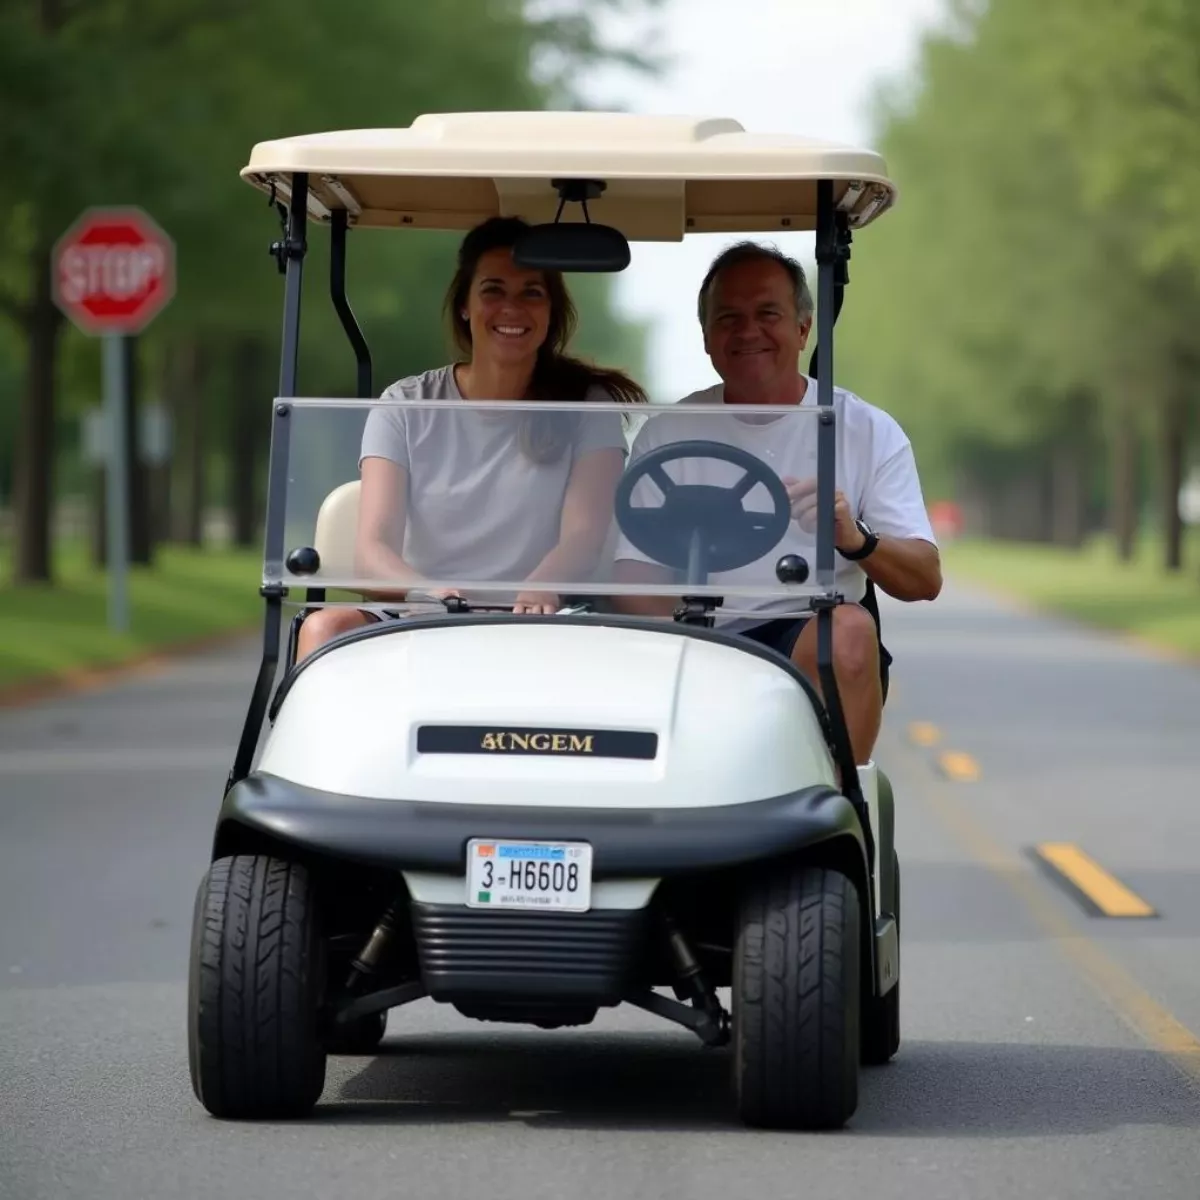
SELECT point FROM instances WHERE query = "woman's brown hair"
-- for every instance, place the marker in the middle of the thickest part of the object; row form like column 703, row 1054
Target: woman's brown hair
column 556, row 374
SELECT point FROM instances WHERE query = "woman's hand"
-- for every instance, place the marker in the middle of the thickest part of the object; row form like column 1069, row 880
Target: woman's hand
column 537, row 602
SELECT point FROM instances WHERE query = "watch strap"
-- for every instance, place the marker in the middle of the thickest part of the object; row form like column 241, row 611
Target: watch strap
column 868, row 546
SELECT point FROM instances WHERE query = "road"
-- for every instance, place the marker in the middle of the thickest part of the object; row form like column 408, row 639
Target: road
column 1048, row 1052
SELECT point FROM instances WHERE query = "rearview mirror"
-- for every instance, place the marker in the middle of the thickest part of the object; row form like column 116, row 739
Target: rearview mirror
column 572, row 246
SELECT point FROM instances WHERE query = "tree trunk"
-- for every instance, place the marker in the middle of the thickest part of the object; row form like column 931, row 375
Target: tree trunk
column 1022, row 513
column 1173, row 432
column 141, row 540
column 246, row 434
column 159, row 474
column 1068, row 489
column 1070, row 458
column 1123, row 485
column 33, row 476
column 187, row 405
column 975, row 502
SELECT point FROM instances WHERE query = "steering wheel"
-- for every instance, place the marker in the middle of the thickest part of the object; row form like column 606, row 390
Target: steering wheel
column 700, row 527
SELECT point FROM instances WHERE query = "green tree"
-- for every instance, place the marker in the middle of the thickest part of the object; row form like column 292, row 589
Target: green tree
column 157, row 102
column 1017, row 310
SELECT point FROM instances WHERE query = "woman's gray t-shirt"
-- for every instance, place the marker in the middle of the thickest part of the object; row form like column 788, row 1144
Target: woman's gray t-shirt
column 478, row 507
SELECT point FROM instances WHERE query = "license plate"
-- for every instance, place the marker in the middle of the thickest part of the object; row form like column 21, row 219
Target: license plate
column 555, row 876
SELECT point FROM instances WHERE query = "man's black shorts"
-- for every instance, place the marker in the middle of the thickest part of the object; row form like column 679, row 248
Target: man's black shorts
column 780, row 635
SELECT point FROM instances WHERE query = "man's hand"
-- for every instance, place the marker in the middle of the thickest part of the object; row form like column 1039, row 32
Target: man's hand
column 803, row 495
column 904, row 568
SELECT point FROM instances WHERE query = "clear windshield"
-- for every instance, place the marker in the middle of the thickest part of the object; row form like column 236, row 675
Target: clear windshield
column 492, row 500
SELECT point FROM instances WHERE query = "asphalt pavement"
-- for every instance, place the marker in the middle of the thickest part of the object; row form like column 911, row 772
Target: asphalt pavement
column 1049, row 1051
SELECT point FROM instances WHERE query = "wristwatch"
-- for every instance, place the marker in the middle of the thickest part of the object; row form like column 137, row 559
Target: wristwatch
column 872, row 540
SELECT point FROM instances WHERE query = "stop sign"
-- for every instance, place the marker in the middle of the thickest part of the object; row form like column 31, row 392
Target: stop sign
column 114, row 271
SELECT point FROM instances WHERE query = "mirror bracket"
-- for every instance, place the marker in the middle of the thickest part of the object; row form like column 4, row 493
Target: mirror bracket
column 577, row 191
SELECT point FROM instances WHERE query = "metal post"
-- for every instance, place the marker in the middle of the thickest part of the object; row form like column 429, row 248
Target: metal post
column 294, row 247
column 339, row 220
column 826, row 429
column 827, row 266
column 116, row 482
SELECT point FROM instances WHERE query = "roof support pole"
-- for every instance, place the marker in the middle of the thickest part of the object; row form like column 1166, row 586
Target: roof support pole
column 339, row 223
column 832, row 250
column 289, row 252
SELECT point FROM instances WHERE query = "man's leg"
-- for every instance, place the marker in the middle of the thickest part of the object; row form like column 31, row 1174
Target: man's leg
column 856, row 669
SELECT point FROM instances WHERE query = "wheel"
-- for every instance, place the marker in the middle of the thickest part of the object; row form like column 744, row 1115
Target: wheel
column 253, row 991
column 796, row 1001
column 359, row 1037
column 881, row 1020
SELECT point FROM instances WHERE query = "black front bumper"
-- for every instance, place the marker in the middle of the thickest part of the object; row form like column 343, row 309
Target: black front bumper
column 629, row 843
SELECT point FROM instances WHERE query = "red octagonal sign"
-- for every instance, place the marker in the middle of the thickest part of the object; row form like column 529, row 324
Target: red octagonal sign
column 114, row 271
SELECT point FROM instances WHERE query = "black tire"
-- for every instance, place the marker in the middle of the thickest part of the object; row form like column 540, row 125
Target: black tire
column 796, row 1001
column 359, row 1037
column 253, row 991
column 881, row 1017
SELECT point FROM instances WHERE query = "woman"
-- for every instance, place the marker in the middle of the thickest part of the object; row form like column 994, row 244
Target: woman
column 453, row 495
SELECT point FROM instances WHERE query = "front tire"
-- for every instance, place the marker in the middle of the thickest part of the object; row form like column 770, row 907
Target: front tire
column 253, row 991
column 796, row 1001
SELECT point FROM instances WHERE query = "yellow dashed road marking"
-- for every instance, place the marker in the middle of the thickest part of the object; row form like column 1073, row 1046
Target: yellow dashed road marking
column 1156, row 1024
column 959, row 766
column 1110, row 897
column 922, row 733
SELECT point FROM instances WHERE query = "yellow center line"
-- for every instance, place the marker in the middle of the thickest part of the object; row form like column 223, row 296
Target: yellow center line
column 1119, row 990
column 1109, row 895
column 959, row 766
column 922, row 733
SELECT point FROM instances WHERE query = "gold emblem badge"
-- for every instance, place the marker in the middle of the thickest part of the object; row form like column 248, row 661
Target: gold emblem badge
column 502, row 741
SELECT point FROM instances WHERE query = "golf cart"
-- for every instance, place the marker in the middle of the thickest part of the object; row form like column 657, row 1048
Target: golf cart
column 535, row 817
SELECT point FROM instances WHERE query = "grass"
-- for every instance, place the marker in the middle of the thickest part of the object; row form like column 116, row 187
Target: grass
column 57, row 630
column 48, row 632
column 1093, row 586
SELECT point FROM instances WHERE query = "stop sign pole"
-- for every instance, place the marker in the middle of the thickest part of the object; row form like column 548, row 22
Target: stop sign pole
column 113, row 273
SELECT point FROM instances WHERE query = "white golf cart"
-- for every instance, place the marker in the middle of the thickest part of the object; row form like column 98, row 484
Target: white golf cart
column 535, row 817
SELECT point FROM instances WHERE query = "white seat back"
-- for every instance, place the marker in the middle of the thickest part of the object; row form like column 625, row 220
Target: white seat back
column 337, row 528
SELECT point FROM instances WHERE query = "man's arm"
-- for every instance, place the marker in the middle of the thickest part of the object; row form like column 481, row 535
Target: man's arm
column 906, row 563
column 904, row 568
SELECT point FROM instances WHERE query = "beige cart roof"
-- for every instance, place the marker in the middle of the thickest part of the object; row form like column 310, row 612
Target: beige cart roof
column 666, row 176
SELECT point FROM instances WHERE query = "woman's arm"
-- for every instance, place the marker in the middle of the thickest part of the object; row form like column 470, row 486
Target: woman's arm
column 382, row 513
column 583, row 527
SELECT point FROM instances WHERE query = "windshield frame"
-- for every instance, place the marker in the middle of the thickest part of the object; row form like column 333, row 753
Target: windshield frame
column 282, row 537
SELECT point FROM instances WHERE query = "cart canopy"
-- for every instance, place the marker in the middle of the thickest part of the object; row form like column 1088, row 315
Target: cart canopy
column 664, row 177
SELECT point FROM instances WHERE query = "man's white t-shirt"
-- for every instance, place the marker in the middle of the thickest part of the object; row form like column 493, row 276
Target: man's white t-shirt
column 876, row 471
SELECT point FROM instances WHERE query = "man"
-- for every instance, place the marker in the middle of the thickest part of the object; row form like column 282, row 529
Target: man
column 756, row 313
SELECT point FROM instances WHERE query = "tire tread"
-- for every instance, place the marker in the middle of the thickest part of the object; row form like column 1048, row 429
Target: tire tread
column 253, row 1044
column 796, row 1001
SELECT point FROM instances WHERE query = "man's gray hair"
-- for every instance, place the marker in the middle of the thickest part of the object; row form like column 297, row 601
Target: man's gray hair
column 742, row 252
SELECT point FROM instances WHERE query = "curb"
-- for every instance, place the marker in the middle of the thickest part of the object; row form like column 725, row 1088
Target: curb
column 81, row 680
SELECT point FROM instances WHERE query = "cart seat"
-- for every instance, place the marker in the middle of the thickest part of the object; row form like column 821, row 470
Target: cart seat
column 336, row 530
